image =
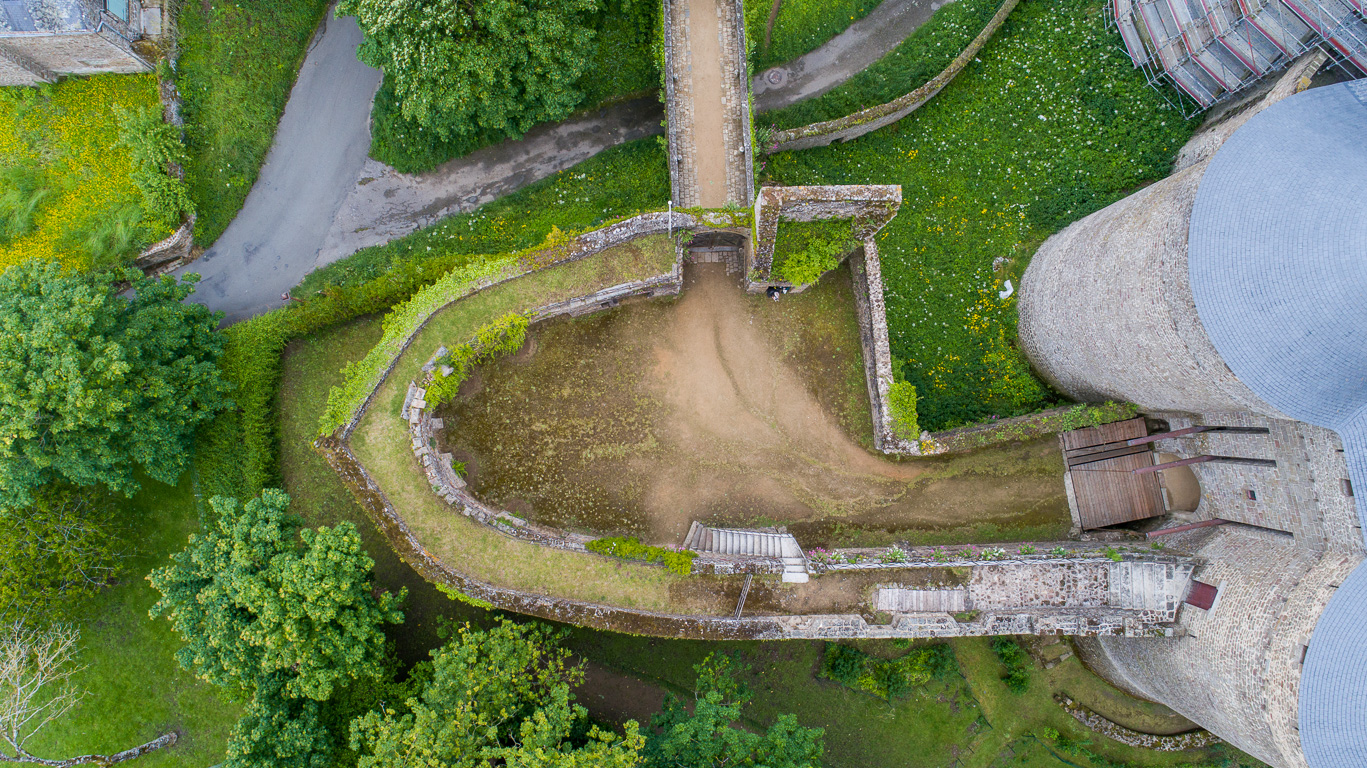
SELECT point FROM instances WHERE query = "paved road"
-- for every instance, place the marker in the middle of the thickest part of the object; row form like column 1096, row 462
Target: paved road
column 320, row 145
column 319, row 199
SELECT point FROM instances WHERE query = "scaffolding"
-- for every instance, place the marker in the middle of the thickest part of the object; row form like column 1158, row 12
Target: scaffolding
column 1210, row 50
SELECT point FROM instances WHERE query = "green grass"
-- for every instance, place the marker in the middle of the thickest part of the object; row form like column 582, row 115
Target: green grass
column 622, row 65
column 924, row 54
column 237, row 65
column 617, row 182
column 137, row 691
column 1050, row 122
column 800, row 27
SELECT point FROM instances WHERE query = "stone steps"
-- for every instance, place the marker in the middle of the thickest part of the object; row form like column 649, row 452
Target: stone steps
column 742, row 543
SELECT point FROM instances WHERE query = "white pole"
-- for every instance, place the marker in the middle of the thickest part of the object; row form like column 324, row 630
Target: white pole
column 671, row 218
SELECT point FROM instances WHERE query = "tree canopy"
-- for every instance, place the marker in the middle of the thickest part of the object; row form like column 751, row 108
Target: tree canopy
column 495, row 697
column 94, row 384
column 64, row 545
column 253, row 597
column 708, row 737
column 488, row 67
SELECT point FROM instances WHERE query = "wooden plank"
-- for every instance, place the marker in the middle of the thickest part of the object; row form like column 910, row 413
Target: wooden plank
column 1108, row 494
column 1109, row 453
column 1114, row 432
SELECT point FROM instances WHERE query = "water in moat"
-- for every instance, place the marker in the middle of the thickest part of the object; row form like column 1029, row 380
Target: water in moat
column 730, row 409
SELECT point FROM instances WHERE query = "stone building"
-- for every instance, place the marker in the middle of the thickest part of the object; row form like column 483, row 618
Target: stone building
column 41, row 40
column 1230, row 300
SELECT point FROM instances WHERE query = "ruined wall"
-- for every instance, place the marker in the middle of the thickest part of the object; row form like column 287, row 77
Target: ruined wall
column 1235, row 669
column 871, row 206
column 75, row 53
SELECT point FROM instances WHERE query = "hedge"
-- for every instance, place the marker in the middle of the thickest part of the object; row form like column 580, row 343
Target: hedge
column 630, row 548
column 493, row 340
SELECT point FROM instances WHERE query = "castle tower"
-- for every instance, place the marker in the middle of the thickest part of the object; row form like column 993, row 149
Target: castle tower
column 1232, row 297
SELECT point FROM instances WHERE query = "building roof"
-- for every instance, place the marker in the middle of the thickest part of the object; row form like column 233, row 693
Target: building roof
column 1278, row 263
column 46, row 16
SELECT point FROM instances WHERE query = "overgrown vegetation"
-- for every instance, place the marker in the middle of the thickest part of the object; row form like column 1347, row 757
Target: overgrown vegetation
column 902, row 408
column 237, row 64
column 800, row 26
column 679, row 561
column 69, row 187
column 155, row 147
column 887, row 679
column 584, row 53
column 806, row 250
column 1017, row 663
column 924, row 54
column 1056, row 106
column 494, row 339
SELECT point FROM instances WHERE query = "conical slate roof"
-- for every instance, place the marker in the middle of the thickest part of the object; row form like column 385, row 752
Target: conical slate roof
column 1278, row 265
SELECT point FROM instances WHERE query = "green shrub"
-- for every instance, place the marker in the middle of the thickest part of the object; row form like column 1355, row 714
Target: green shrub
column 1017, row 663
column 887, row 679
column 902, row 409
column 22, row 188
column 493, row 340
column 630, row 548
column 154, row 145
column 806, row 250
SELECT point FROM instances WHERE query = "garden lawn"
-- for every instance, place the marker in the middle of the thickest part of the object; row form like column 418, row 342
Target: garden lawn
column 137, row 691
column 65, row 138
column 622, row 65
column 923, row 55
column 237, row 64
column 1049, row 123
column 800, row 27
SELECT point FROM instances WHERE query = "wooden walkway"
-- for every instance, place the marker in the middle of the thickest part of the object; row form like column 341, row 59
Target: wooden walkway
column 1100, row 469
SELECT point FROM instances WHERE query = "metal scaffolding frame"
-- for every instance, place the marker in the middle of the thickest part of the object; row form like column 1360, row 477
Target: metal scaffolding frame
column 1198, row 53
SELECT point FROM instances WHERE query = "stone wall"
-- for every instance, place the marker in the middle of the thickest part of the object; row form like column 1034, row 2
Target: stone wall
column 871, row 119
column 738, row 129
column 1178, row 743
column 871, row 314
column 872, row 206
column 1236, row 668
column 683, row 179
column 72, row 53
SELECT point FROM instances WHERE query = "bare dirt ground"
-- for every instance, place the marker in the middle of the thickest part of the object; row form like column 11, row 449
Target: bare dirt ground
column 729, row 409
column 709, row 113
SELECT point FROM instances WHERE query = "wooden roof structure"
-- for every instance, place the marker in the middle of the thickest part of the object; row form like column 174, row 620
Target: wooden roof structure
column 1100, row 465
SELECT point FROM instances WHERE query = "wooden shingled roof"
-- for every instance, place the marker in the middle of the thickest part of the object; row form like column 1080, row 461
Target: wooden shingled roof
column 1100, row 463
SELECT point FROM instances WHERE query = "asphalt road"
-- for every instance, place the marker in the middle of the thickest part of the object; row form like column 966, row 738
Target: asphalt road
column 319, row 148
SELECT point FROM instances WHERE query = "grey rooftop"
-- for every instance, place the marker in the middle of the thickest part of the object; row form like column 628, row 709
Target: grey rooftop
column 46, row 16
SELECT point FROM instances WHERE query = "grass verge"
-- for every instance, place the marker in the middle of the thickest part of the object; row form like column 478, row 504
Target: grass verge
column 800, row 27
column 237, row 65
column 66, row 184
column 137, row 691
column 1050, row 123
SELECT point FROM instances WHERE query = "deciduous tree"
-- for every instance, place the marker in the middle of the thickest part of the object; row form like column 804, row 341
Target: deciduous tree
column 277, row 731
column 496, row 697
column 708, row 737
column 64, row 545
column 36, row 689
column 93, row 383
column 253, row 597
column 491, row 67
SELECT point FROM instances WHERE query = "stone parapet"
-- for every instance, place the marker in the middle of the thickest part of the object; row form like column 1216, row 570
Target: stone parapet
column 1177, row 743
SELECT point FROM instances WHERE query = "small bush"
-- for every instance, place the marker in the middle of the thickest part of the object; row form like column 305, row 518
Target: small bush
column 902, row 409
column 630, row 548
column 493, row 340
column 886, row 678
column 154, row 146
column 1017, row 662
column 806, row 250
column 22, row 188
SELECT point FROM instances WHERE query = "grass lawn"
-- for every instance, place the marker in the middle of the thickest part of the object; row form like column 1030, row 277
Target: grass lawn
column 59, row 144
column 137, row 691
column 237, row 65
column 801, row 26
column 924, row 54
column 621, row 65
column 1049, row 123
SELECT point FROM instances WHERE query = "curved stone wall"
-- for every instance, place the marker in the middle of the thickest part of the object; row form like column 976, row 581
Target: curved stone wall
column 1106, row 311
column 1236, row 668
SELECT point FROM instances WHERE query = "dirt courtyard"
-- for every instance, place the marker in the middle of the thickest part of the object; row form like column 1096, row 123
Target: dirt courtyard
column 729, row 409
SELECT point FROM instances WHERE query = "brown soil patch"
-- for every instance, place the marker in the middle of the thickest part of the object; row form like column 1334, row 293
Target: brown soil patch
column 615, row 698
column 724, row 408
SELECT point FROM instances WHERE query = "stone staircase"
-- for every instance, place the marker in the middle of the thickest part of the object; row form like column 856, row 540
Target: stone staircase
column 757, row 544
column 1140, row 586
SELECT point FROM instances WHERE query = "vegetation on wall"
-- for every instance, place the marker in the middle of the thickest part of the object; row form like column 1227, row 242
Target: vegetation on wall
column 1056, row 105
column 902, row 409
column 69, row 187
column 923, row 55
column 237, row 64
column 493, row 340
column 96, row 383
column 155, row 147
column 679, row 561
column 887, row 679
column 800, row 26
column 806, row 250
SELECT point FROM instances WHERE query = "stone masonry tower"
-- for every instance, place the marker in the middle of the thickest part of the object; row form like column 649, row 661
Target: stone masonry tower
column 1230, row 300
